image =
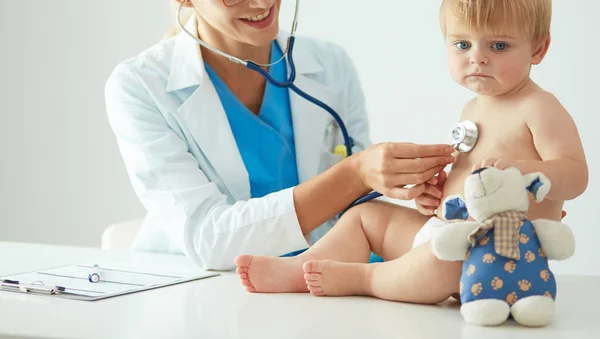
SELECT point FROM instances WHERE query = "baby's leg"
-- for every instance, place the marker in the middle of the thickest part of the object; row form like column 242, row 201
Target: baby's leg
column 417, row 277
column 386, row 229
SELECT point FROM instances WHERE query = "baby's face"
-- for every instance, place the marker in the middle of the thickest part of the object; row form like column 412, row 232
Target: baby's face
column 488, row 64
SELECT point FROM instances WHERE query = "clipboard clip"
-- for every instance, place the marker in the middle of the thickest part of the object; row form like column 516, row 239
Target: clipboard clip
column 16, row 286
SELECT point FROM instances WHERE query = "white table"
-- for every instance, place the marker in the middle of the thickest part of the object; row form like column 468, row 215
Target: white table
column 219, row 307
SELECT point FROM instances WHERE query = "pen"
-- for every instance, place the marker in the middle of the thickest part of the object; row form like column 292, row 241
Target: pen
column 94, row 275
column 18, row 286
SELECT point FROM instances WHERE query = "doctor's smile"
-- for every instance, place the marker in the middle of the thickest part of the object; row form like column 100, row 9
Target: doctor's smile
column 262, row 20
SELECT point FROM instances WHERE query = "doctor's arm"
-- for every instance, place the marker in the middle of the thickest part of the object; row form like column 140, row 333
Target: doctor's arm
column 192, row 211
column 180, row 200
column 385, row 167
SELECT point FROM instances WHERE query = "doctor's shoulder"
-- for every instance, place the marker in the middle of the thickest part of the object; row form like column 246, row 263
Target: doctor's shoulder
column 152, row 64
column 136, row 88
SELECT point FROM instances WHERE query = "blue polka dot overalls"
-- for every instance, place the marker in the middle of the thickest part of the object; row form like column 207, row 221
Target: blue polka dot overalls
column 488, row 275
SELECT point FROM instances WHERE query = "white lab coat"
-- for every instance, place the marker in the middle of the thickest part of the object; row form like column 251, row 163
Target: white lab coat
column 182, row 158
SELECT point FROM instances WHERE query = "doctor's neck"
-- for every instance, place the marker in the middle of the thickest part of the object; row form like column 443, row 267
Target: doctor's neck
column 244, row 51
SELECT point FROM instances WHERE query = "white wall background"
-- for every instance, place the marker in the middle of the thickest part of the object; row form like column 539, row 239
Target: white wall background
column 61, row 177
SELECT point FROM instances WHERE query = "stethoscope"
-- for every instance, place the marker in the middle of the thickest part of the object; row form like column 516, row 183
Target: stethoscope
column 289, row 83
column 463, row 135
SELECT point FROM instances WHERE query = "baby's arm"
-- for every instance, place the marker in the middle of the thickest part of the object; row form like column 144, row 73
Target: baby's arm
column 557, row 142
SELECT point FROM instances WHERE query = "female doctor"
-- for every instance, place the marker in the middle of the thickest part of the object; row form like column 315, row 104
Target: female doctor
column 226, row 164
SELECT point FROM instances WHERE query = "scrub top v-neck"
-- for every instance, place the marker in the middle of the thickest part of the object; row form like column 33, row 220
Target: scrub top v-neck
column 265, row 141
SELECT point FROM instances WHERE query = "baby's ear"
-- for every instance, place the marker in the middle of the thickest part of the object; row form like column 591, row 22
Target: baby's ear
column 538, row 184
column 454, row 208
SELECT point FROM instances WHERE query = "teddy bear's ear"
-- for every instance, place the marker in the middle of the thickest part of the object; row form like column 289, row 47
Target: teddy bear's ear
column 454, row 208
column 538, row 184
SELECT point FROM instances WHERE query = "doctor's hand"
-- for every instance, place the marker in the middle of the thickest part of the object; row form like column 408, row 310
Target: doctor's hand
column 429, row 201
column 388, row 167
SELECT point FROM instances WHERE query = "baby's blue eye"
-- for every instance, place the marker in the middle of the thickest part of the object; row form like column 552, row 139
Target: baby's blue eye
column 500, row 46
column 462, row 45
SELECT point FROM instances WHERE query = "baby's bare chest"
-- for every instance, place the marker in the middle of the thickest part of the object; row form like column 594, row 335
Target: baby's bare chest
column 500, row 136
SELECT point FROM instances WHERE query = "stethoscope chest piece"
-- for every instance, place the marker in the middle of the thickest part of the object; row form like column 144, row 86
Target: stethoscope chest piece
column 463, row 135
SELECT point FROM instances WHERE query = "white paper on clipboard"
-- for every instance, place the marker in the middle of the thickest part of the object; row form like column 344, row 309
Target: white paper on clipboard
column 116, row 278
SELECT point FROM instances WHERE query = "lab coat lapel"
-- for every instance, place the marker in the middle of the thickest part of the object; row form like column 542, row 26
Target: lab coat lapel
column 203, row 115
column 310, row 121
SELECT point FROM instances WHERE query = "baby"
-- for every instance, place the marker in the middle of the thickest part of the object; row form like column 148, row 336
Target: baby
column 491, row 47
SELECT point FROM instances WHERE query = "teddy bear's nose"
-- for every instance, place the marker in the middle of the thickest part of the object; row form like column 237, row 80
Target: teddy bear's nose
column 479, row 170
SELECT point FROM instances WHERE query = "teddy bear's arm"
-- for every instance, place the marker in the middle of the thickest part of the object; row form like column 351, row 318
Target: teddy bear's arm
column 556, row 238
column 451, row 242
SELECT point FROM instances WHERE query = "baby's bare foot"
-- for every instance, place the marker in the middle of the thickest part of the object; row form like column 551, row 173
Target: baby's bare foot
column 332, row 278
column 271, row 274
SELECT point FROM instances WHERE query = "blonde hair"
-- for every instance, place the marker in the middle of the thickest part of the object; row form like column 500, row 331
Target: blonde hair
column 497, row 16
column 186, row 15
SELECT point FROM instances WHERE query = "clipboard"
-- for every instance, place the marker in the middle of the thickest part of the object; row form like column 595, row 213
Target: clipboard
column 116, row 279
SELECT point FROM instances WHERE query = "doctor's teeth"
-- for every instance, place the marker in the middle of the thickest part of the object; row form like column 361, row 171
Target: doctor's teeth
column 259, row 17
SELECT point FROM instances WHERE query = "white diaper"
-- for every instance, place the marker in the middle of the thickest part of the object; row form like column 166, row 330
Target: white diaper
column 428, row 230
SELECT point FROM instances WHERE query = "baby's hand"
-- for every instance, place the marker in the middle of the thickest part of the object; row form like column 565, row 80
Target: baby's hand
column 430, row 199
column 499, row 163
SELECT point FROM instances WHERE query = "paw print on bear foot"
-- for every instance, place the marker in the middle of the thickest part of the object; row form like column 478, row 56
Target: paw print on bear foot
column 484, row 240
column 529, row 256
column 511, row 298
column 523, row 239
column 497, row 283
column 548, row 294
column 524, row 285
column 470, row 270
column 510, row 266
column 488, row 258
column 476, row 289
column 541, row 252
column 545, row 275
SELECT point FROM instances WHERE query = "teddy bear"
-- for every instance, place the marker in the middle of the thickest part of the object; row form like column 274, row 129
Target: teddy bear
column 505, row 255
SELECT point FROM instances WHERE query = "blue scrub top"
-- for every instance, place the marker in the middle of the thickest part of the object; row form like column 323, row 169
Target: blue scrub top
column 266, row 140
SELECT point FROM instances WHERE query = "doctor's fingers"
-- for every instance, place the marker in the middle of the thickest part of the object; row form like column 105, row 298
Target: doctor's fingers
column 427, row 201
column 425, row 210
column 426, row 204
column 405, row 150
column 442, row 178
column 404, row 193
column 401, row 179
column 416, row 165
column 432, row 181
column 433, row 190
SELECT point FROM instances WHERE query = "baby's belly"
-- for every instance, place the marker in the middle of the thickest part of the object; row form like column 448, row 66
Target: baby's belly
column 547, row 209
